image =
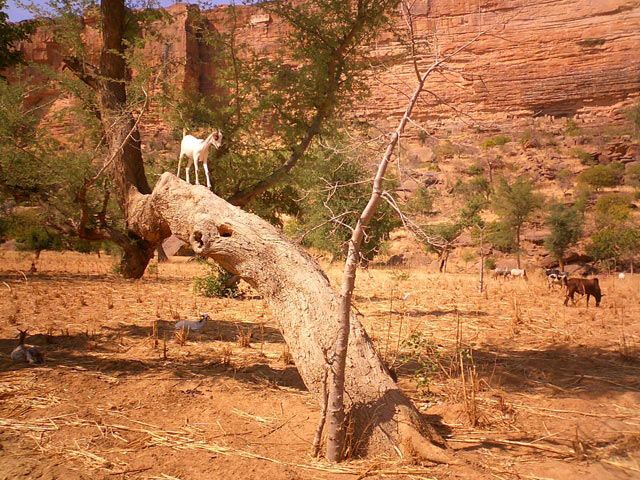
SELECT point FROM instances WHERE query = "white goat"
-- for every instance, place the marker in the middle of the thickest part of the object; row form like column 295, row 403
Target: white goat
column 197, row 151
column 192, row 324
column 26, row 353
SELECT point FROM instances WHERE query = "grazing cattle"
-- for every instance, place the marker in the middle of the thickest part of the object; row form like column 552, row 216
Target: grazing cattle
column 555, row 277
column 519, row 272
column 501, row 272
column 584, row 286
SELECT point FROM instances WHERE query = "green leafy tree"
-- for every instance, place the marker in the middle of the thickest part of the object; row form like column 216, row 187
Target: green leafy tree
column 441, row 238
column 565, row 224
column 10, row 35
column 615, row 244
column 617, row 238
column 632, row 175
column 515, row 204
column 271, row 111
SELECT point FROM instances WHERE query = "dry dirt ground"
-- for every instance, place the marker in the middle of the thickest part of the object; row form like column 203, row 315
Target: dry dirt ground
column 548, row 392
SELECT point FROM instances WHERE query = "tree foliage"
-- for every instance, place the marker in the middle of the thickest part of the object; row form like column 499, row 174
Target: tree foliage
column 10, row 35
column 271, row 110
column 565, row 224
column 328, row 210
column 617, row 237
column 515, row 204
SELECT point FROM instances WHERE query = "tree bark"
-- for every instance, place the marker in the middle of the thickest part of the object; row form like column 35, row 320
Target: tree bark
column 162, row 255
column 518, row 246
column 481, row 280
column 304, row 304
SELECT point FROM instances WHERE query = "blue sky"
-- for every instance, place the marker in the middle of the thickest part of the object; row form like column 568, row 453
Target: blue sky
column 17, row 13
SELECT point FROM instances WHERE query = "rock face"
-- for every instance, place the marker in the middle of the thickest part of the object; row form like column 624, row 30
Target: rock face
column 562, row 58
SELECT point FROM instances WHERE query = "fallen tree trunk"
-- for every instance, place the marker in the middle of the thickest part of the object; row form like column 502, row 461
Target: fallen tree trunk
column 301, row 299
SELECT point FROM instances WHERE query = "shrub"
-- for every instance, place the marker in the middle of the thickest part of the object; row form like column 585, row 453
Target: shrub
column 565, row 179
column 585, row 157
column 600, row 176
column 475, row 169
column 632, row 174
column 633, row 114
column 28, row 230
column 571, row 128
column 612, row 209
column 496, row 141
column 592, row 42
column 214, row 284
column 489, row 263
column 422, row 202
column 616, row 243
column 446, row 149
column 529, row 138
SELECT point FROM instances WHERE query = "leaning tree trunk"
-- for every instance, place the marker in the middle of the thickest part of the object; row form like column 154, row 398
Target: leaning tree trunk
column 302, row 301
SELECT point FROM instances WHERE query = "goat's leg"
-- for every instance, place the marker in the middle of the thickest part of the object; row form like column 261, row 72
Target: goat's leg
column 206, row 171
column 195, row 166
column 179, row 164
column 189, row 163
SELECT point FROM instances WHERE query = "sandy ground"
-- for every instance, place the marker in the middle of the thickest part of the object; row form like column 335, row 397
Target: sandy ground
column 547, row 392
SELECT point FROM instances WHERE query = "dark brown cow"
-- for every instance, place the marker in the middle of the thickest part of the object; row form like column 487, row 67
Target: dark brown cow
column 583, row 286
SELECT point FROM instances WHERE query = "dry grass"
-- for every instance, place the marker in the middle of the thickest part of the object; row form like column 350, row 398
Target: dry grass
column 522, row 386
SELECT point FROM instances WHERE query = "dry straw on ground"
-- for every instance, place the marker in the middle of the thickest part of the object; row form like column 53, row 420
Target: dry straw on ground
column 521, row 386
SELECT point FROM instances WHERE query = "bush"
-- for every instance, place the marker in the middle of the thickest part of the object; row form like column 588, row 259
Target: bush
column 215, row 284
column 612, row 209
column 633, row 114
column 496, row 141
column 601, row 176
column 585, row 157
column 446, row 149
column 565, row 179
column 489, row 263
column 571, row 128
column 529, row 138
column 422, row 202
column 28, row 230
column 632, row 174
column 475, row 169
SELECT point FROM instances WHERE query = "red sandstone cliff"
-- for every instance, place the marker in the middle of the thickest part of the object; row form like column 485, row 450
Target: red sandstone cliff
column 565, row 57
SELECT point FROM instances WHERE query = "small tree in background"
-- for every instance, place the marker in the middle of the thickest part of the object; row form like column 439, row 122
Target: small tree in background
column 515, row 203
column 617, row 239
column 565, row 224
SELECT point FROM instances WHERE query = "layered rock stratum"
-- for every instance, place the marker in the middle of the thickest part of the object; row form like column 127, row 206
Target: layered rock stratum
column 535, row 58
